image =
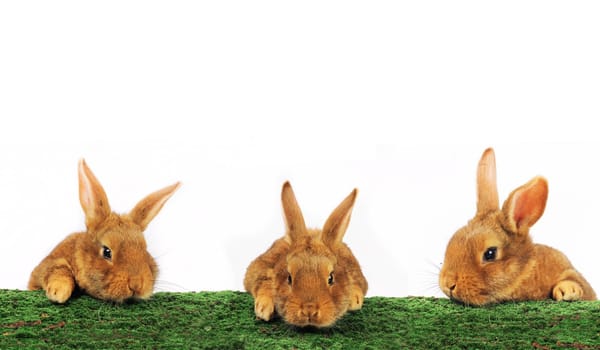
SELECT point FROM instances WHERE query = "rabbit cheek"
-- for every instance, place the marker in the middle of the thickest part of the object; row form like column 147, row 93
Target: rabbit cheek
column 90, row 270
column 96, row 282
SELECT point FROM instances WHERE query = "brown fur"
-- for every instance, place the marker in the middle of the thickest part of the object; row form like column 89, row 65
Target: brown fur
column 79, row 259
column 521, row 270
column 308, row 257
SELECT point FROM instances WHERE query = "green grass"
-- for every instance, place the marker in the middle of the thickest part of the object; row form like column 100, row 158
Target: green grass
column 225, row 320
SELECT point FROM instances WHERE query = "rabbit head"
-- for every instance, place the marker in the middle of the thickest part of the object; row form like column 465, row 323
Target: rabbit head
column 309, row 277
column 109, row 260
column 487, row 259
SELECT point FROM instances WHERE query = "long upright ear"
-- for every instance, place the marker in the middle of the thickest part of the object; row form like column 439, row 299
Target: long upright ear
column 293, row 215
column 525, row 205
column 337, row 223
column 147, row 208
column 487, row 192
column 92, row 197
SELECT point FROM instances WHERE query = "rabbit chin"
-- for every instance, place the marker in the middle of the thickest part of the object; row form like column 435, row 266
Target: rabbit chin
column 305, row 321
column 120, row 296
column 471, row 297
column 120, row 291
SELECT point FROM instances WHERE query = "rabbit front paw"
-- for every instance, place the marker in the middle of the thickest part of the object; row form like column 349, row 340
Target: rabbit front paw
column 264, row 307
column 59, row 290
column 567, row 291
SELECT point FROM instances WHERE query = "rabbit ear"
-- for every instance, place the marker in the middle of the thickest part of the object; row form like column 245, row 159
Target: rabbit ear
column 148, row 207
column 525, row 205
column 92, row 197
column 291, row 210
column 487, row 192
column 337, row 223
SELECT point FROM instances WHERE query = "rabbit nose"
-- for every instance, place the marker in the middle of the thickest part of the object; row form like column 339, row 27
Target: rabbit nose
column 450, row 285
column 447, row 284
column 136, row 284
column 310, row 310
column 448, row 281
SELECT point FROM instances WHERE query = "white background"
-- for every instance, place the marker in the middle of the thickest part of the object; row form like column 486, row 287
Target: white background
column 234, row 98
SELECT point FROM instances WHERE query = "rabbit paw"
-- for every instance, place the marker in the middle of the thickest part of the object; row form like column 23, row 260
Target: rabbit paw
column 59, row 290
column 356, row 299
column 264, row 308
column 567, row 291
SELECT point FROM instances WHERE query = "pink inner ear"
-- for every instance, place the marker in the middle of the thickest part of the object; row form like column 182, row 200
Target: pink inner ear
column 529, row 205
column 85, row 193
column 520, row 209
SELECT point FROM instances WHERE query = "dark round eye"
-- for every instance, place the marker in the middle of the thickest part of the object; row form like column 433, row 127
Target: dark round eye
column 330, row 280
column 106, row 253
column 289, row 279
column 490, row 254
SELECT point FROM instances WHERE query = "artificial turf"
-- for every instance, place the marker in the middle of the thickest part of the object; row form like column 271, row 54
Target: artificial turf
column 225, row 320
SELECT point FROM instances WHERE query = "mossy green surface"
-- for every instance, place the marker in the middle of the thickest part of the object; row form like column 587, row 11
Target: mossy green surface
column 225, row 320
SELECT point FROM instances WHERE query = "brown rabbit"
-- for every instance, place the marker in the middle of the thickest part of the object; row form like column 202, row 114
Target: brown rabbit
column 493, row 259
column 109, row 261
column 309, row 276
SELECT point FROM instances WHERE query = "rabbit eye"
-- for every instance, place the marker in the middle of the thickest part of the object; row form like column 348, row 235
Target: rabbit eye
column 289, row 279
column 490, row 254
column 330, row 280
column 106, row 253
